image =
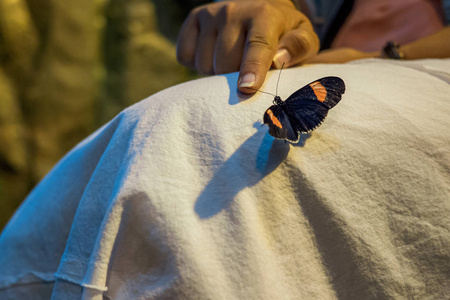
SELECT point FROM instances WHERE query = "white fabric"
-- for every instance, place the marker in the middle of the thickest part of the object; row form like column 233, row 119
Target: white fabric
column 185, row 196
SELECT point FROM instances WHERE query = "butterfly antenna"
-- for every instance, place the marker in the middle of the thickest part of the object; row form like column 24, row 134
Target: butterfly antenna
column 279, row 75
column 261, row 91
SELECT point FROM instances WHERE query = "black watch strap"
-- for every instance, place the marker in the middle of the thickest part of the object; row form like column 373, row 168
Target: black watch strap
column 392, row 50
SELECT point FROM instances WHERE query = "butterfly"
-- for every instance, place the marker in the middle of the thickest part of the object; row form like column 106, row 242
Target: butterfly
column 304, row 110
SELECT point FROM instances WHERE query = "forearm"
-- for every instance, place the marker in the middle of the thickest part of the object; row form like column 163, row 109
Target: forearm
column 434, row 46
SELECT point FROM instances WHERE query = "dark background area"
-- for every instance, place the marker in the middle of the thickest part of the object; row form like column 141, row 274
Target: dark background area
column 68, row 67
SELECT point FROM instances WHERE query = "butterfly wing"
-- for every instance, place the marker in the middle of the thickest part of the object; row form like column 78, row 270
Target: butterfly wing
column 279, row 125
column 308, row 107
column 327, row 90
column 306, row 115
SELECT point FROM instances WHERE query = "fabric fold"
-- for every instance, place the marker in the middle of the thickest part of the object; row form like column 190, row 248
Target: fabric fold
column 186, row 196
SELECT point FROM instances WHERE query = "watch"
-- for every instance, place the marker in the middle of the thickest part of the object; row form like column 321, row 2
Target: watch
column 392, row 50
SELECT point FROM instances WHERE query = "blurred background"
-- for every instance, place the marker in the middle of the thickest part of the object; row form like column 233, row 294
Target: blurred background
column 68, row 67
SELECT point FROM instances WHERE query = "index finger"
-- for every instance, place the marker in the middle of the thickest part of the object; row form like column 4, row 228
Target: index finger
column 260, row 47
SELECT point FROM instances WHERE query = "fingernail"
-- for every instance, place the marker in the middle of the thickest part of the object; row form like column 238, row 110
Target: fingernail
column 247, row 80
column 282, row 56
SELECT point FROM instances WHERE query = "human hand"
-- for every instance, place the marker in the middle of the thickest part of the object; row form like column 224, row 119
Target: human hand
column 340, row 55
column 244, row 36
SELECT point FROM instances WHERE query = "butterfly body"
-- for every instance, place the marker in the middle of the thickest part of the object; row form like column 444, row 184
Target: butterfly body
column 304, row 110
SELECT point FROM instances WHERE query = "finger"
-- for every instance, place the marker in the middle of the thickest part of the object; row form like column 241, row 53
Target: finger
column 228, row 50
column 261, row 42
column 187, row 41
column 296, row 46
column 204, row 53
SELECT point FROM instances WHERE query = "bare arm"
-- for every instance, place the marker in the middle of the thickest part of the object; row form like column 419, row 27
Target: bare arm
column 436, row 45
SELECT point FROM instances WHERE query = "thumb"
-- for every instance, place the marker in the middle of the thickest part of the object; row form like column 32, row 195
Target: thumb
column 296, row 46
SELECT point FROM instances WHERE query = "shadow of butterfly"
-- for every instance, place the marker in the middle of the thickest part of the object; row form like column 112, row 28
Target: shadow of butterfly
column 304, row 110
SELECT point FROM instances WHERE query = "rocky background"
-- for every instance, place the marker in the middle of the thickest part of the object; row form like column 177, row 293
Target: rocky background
column 67, row 67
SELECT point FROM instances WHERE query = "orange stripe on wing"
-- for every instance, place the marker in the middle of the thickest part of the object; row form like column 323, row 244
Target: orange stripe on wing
column 274, row 119
column 319, row 90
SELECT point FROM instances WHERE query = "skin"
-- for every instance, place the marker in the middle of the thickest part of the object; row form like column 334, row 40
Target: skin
column 247, row 36
column 436, row 45
column 251, row 36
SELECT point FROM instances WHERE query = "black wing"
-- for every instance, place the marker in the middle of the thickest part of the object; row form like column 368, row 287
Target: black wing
column 327, row 90
column 279, row 125
column 306, row 116
column 308, row 107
